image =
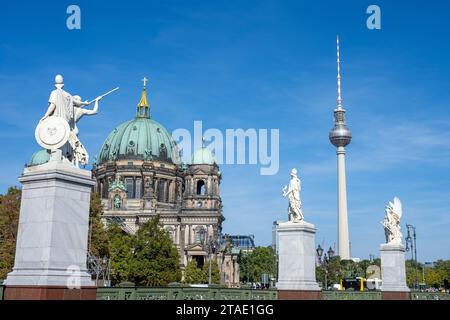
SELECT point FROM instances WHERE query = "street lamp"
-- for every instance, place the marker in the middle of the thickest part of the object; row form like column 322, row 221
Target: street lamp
column 319, row 251
column 211, row 247
column 411, row 243
column 324, row 263
column 330, row 253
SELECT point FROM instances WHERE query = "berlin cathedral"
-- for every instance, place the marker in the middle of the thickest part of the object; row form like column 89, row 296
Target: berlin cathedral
column 139, row 175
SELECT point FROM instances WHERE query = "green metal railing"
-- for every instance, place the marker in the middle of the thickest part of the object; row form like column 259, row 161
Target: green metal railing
column 429, row 296
column 351, row 295
column 182, row 293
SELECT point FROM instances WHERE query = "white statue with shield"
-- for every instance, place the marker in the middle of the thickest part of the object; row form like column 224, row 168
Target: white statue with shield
column 57, row 131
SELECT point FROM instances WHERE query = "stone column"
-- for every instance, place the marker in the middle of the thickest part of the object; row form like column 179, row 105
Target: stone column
column 208, row 186
column 51, row 250
column 193, row 186
column 393, row 273
column 156, row 189
column 297, row 262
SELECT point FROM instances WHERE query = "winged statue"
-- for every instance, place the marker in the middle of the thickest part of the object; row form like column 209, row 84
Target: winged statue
column 391, row 222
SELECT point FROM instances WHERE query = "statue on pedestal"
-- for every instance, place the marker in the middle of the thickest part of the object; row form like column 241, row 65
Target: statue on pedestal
column 391, row 222
column 293, row 193
column 57, row 130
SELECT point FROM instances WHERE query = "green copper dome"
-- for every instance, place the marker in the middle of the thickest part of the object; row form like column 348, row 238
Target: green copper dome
column 39, row 157
column 141, row 138
column 203, row 156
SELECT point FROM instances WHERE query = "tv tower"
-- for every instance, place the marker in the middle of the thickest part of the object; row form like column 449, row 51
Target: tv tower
column 340, row 136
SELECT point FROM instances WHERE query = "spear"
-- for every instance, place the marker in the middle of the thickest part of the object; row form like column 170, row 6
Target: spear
column 105, row 94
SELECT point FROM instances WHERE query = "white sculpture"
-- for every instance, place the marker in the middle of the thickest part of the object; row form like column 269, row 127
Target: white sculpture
column 293, row 193
column 58, row 130
column 391, row 222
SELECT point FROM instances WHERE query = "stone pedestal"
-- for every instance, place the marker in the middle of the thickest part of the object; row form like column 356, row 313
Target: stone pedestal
column 51, row 249
column 297, row 261
column 393, row 273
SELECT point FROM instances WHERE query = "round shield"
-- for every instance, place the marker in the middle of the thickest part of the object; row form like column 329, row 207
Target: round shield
column 52, row 133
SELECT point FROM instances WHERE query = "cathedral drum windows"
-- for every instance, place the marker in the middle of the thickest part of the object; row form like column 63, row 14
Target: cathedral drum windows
column 133, row 187
column 138, row 188
column 129, row 185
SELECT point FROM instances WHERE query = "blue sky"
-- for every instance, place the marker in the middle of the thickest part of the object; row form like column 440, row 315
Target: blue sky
column 257, row 64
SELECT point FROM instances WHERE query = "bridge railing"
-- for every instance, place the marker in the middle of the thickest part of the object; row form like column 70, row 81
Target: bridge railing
column 430, row 296
column 183, row 293
column 351, row 295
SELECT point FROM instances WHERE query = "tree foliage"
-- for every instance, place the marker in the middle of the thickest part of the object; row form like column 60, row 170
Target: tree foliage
column 155, row 260
column 196, row 275
column 434, row 277
column 215, row 273
column 253, row 265
column 193, row 274
column 9, row 222
column 99, row 245
column 121, row 253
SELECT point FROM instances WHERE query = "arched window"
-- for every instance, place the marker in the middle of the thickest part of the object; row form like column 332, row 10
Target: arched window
column 200, row 187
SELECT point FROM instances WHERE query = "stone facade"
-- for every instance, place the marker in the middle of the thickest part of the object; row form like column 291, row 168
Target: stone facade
column 187, row 200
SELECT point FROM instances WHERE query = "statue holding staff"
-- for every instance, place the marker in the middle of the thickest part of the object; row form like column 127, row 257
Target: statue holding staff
column 293, row 193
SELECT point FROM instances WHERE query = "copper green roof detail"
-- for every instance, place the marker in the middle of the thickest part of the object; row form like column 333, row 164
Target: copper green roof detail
column 140, row 138
column 39, row 157
column 203, row 156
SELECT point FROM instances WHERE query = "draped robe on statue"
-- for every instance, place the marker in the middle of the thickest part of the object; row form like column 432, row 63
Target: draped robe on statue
column 64, row 108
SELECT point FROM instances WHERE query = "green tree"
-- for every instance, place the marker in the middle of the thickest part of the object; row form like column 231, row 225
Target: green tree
column 99, row 244
column 333, row 269
column 9, row 222
column 215, row 273
column 155, row 259
column 410, row 266
column 121, row 253
column 362, row 268
column 195, row 275
column 253, row 265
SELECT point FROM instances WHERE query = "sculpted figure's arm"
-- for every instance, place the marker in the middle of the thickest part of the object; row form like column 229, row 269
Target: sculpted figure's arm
column 94, row 110
column 50, row 110
column 286, row 191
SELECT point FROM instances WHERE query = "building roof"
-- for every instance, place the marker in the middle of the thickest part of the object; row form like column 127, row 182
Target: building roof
column 39, row 157
column 203, row 156
column 140, row 138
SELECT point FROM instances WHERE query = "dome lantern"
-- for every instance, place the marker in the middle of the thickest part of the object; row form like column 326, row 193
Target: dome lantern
column 203, row 155
column 141, row 138
column 143, row 109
